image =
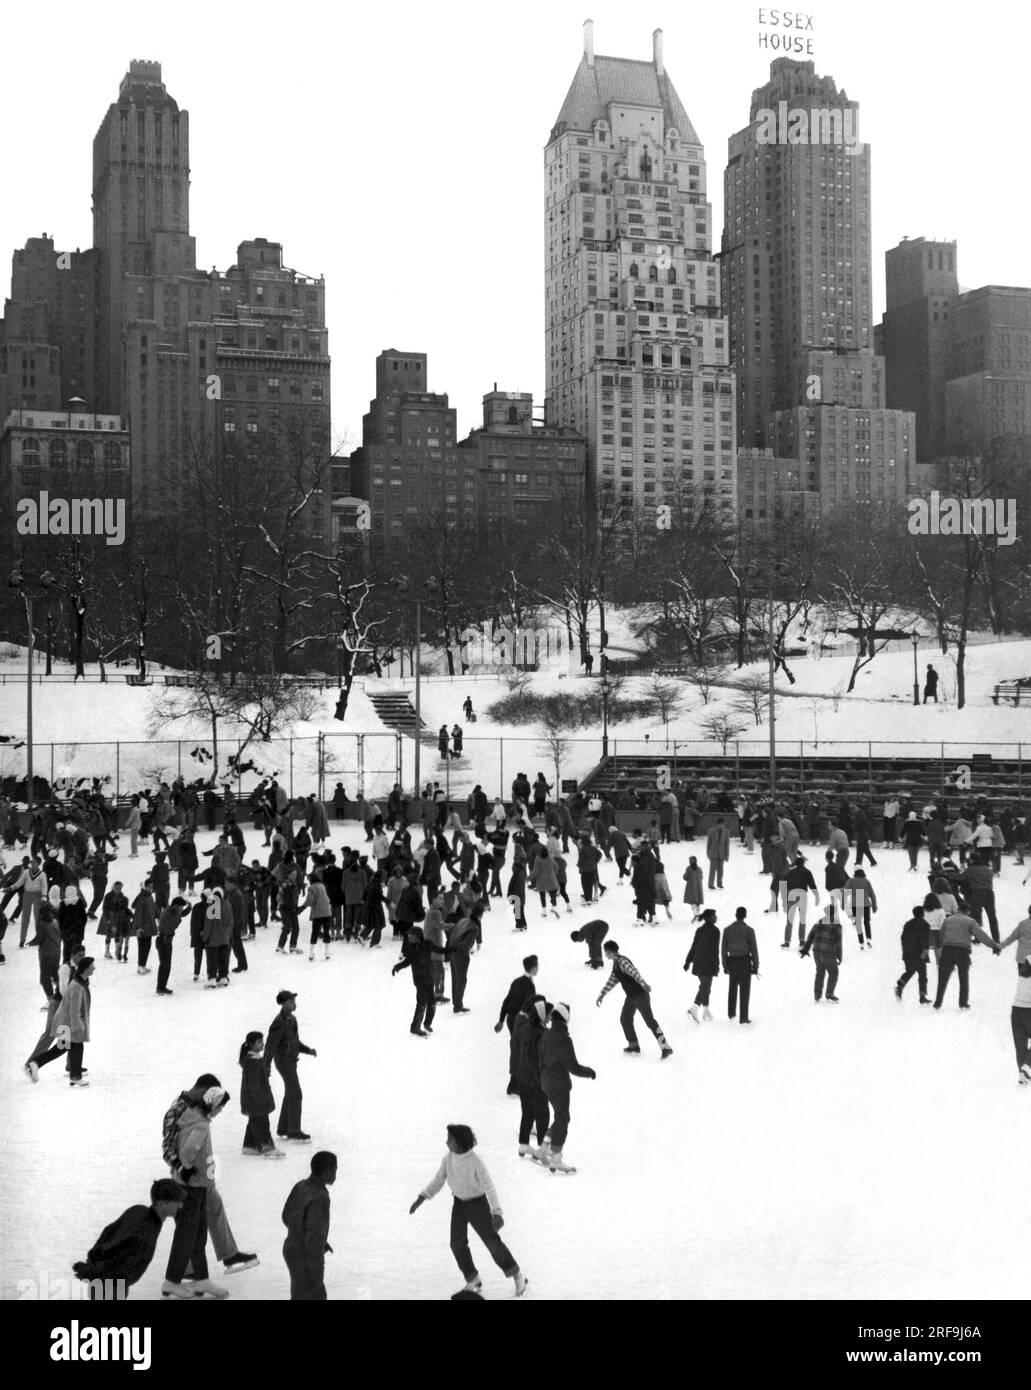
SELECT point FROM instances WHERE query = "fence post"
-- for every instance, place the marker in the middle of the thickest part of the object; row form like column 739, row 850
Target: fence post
column 361, row 761
column 869, row 769
column 118, row 772
column 1020, row 757
column 239, row 774
column 737, row 765
column 397, row 757
column 291, row 769
column 501, row 766
column 942, row 747
column 801, row 767
column 51, row 769
column 179, row 754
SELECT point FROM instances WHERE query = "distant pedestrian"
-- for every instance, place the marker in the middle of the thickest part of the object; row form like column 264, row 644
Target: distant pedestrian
column 717, row 851
column 456, row 741
column 931, row 685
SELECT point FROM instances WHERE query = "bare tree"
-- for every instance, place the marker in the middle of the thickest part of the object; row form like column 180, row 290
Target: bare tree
column 755, row 697
column 704, row 675
column 555, row 742
column 666, row 696
column 723, row 728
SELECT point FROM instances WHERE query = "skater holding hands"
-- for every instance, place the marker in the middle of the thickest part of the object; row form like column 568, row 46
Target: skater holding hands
column 475, row 1204
column 703, row 960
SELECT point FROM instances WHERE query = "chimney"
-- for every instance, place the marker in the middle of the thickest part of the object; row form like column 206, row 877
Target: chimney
column 657, row 51
column 589, row 42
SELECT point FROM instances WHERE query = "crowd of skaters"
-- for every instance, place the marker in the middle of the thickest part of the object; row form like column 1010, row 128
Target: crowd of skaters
column 396, row 881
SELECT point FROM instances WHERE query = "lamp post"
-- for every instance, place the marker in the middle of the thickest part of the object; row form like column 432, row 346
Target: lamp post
column 603, row 685
column 754, row 572
column 403, row 585
column 916, row 677
column 18, row 583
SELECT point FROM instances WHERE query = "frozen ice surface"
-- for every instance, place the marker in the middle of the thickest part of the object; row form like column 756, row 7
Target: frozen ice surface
column 867, row 1149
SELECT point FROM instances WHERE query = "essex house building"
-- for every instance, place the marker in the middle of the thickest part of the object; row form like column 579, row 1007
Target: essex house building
column 637, row 351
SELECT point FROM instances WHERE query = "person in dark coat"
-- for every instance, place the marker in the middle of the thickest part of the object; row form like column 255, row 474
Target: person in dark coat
column 256, row 1099
column 525, row 1066
column 306, row 1218
column 417, row 956
column 443, row 738
column 861, row 827
column 71, row 916
column 642, row 881
column 122, row 1253
column 594, row 933
column 703, row 960
column 48, row 943
column 375, row 920
column 931, row 685
column 979, row 891
column 144, row 925
column 825, row 943
column 558, row 1066
column 739, row 956
column 168, row 925
column 283, row 1046
column 916, row 946
column 522, row 989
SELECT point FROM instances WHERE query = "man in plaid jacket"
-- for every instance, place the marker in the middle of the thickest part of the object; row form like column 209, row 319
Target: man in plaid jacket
column 625, row 973
column 825, row 943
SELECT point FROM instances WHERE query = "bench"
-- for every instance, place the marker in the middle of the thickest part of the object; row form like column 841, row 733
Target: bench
column 1013, row 692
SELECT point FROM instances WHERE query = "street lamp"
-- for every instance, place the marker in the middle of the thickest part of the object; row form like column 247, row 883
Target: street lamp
column 754, row 572
column 603, row 686
column 402, row 588
column 916, row 677
column 42, row 584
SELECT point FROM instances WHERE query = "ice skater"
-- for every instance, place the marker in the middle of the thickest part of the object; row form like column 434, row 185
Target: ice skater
column 916, row 949
column 520, row 991
column 123, row 1251
column 594, row 933
column 306, row 1218
column 703, row 960
column 256, row 1099
column 283, row 1046
column 475, row 1204
column 739, row 955
column 825, row 943
column 625, row 973
column 558, row 1066
column 1020, row 1022
column 525, row 1065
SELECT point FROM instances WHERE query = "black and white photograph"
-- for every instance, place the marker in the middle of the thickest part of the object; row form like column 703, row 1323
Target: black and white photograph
column 515, row 666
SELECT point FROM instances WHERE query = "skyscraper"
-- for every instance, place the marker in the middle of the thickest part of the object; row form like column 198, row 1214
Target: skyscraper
column 914, row 335
column 636, row 348
column 131, row 327
column 795, row 270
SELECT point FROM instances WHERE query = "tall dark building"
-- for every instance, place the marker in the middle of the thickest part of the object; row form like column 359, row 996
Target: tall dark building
column 795, row 269
column 186, row 357
column 914, row 335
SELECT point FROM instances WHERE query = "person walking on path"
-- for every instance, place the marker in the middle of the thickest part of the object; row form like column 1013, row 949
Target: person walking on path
column 256, row 1099
column 825, row 943
column 625, row 973
column 525, row 1066
column 70, row 1028
column 703, row 960
column 522, row 989
column 916, row 946
column 717, row 851
column 931, row 684
column 594, row 933
column 1020, row 1022
column 283, row 1046
column 417, row 956
column 123, row 1251
column 475, row 1204
column 559, row 1065
column 860, row 901
column 739, row 956
column 958, row 934
column 306, row 1218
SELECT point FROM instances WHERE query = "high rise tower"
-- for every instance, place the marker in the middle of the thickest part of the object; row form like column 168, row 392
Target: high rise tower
column 637, row 355
column 795, row 272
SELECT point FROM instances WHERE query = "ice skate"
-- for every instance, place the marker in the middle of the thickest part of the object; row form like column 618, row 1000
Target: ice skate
column 555, row 1163
column 693, row 1011
column 272, row 1152
column 205, row 1288
column 251, row 1153
column 707, row 1015
column 528, row 1151
column 667, row 1051
column 473, row 1285
column 311, row 954
column 632, row 1048
column 170, row 1289
column 77, row 1081
column 32, row 1072
column 1025, row 1074
column 239, row 1262
column 521, row 1282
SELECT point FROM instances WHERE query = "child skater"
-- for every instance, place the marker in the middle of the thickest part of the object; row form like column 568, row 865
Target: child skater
column 256, row 1100
column 476, row 1204
column 693, row 889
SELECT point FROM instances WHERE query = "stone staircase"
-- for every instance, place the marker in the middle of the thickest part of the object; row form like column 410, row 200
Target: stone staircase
column 396, row 712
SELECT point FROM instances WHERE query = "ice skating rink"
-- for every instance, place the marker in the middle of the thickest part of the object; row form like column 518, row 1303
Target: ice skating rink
column 868, row 1149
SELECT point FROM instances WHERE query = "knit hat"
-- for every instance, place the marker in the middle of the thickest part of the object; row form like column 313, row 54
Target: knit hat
column 54, row 895
column 562, row 1010
column 214, row 1098
column 71, row 894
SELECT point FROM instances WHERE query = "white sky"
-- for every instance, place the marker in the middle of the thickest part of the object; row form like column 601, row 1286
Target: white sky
column 397, row 149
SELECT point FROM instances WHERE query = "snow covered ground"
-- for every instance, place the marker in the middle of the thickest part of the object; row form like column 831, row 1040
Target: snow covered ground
column 868, row 1149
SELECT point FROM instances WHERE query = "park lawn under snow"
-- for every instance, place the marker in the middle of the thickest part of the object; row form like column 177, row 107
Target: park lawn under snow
column 812, row 1155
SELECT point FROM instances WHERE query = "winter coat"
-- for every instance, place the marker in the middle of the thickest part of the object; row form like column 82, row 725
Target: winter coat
column 218, row 929
column 306, row 1218
column 717, row 843
column 72, row 920
column 859, row 894
column 912, row 834
column 144, row 918
column 543, row 878
column 409, row 906
column 195, row 1147
column 317, row 822
column 704, row 955
column 525, row 1051
column 825, row 942
column 318, row 901
column 73, row 1012
column 979, row 883
column 693, row 891
column 168, row 923
column 662, row 893
column 47, row 938
column 739, row 941
column 915, row 939
column 283, row 1041
column 198, row 914
column 520, row 992
column 1021, row 934
column 588, row 857
column 464, row 936
column 959, row 930
column 558, row 1058
column 619, row 844
column 255, row 1092
column 417, row 957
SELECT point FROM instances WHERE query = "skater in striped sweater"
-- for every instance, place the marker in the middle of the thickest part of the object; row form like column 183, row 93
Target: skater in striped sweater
column 475, row 1204
column 625, row 973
